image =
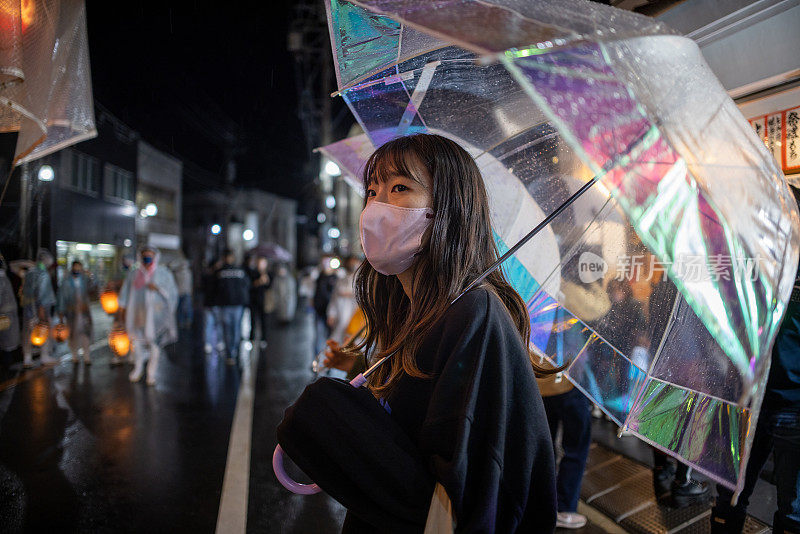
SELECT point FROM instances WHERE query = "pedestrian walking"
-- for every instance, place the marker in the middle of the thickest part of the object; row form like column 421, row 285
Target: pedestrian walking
column 9, row 316
column 323, row 291
column 38, row 299
column 777, row 432
column 73, row 309
column 183, row 279
column 148, row 299
column 343, row 301
column 284, row 291
column 232, row 295
column 260, row 283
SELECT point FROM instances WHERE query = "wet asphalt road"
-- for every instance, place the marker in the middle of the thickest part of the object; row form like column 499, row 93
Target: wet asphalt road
column 84, row 450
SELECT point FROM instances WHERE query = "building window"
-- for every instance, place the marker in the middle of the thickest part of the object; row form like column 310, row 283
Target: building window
column 85, row 173
column 118, row 182
column 164, row 199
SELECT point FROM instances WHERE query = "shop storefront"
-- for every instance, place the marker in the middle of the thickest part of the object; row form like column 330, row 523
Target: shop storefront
column 776, row 119
column 102, row 262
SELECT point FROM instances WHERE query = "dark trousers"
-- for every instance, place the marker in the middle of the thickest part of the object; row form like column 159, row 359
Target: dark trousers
column 778, row 431
column 258, row 317
column 571, row 411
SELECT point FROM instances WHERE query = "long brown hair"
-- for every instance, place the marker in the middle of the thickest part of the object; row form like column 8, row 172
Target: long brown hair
column 458, row 247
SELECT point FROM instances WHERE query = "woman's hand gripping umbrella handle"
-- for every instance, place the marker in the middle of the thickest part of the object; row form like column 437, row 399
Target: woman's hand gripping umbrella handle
column 277, row 456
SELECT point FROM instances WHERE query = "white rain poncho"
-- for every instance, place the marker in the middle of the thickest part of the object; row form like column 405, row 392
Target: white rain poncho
column 37, row 291
column 150, row 315
column 73, row 302
column 9, row 319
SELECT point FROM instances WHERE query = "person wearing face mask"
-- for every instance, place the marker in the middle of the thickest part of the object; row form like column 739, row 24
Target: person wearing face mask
column 73, row 309
column 148, row 300
column 38, row 298
column 459, row 435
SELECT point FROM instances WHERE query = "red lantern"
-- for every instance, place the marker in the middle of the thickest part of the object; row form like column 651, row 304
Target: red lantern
column 119, row 342
column 39, row 334
column 61, row 332
column 110, row 301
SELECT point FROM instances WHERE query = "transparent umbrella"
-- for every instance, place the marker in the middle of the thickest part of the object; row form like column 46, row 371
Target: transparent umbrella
column 45, row 81
column 664, row 283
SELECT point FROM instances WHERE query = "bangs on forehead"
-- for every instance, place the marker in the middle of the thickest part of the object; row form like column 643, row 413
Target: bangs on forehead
column 389, row 160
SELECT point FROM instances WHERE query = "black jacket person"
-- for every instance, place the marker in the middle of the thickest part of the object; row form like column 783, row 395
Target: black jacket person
column 457, row 402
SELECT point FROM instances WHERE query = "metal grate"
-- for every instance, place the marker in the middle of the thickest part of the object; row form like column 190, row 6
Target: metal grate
column 622, row 489
column 598, row 456
column 609, row 478
column 662, row 519
column 632, row 496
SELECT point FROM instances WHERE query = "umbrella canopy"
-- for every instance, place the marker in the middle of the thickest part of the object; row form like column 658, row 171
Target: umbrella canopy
column 271, row 251
column 668, row 279
column 45, row 81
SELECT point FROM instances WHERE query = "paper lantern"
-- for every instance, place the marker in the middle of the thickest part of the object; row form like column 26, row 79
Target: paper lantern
column 61, row 332
column 119, row 342
column 39, row 334
column 110, row 301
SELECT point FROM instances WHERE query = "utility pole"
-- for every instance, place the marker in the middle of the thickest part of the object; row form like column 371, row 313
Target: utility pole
column 25, row 211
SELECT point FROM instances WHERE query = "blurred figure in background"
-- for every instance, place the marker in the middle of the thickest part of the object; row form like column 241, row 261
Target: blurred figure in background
column 232, row 290
column 323, row 292
column 9, row 317
column 73, row 309
column 305, row 291
column 260, row 283
column 343, row 301
column 284, row 290
column 37, row 300
column 183, row 279
column 777, row 433
column 115, row 285
column 212, row 325
column 147, row 301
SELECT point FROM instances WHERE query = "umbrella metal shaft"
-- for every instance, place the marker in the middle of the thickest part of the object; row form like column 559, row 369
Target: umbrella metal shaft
column 362, row 378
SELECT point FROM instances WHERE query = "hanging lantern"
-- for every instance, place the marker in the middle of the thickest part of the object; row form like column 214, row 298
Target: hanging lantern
column 110, row 301
column 39, row 334
column 119, row 342
column 61, row 332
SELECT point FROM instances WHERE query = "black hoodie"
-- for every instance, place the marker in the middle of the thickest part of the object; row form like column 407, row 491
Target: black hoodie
column 477, row 426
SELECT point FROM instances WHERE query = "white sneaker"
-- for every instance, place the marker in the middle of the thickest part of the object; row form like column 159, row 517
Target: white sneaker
column 134, row 376
column 570, row 520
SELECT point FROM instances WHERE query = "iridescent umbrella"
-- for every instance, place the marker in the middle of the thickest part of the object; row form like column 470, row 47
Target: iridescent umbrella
column 676, row 197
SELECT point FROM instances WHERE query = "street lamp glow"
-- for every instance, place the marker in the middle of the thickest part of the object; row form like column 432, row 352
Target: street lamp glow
column 332, row 169
column 321, row 218
column 335, row 263
column 330, row 202
column 248, row 235
column 151, row 210
column 127, row 242
column 334, row 232
column 46, row 173
column 216, row 229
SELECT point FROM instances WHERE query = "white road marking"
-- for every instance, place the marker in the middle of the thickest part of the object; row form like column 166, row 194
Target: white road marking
column 232, row 516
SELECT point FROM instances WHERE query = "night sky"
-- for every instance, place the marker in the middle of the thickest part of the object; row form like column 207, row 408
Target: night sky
column 195, row 77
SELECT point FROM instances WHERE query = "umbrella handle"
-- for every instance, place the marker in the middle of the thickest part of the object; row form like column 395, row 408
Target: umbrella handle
column 285, row 479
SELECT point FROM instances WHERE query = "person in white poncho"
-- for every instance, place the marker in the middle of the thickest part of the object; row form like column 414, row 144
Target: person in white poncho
column 148, row 299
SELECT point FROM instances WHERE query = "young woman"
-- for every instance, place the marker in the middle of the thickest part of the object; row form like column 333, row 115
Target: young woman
column 461, row 383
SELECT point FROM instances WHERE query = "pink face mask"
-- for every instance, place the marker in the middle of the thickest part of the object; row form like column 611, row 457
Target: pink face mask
column 391, row 236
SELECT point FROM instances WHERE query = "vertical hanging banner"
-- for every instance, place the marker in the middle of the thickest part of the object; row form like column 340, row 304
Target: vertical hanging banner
column 780, row 131
column 791, row 144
